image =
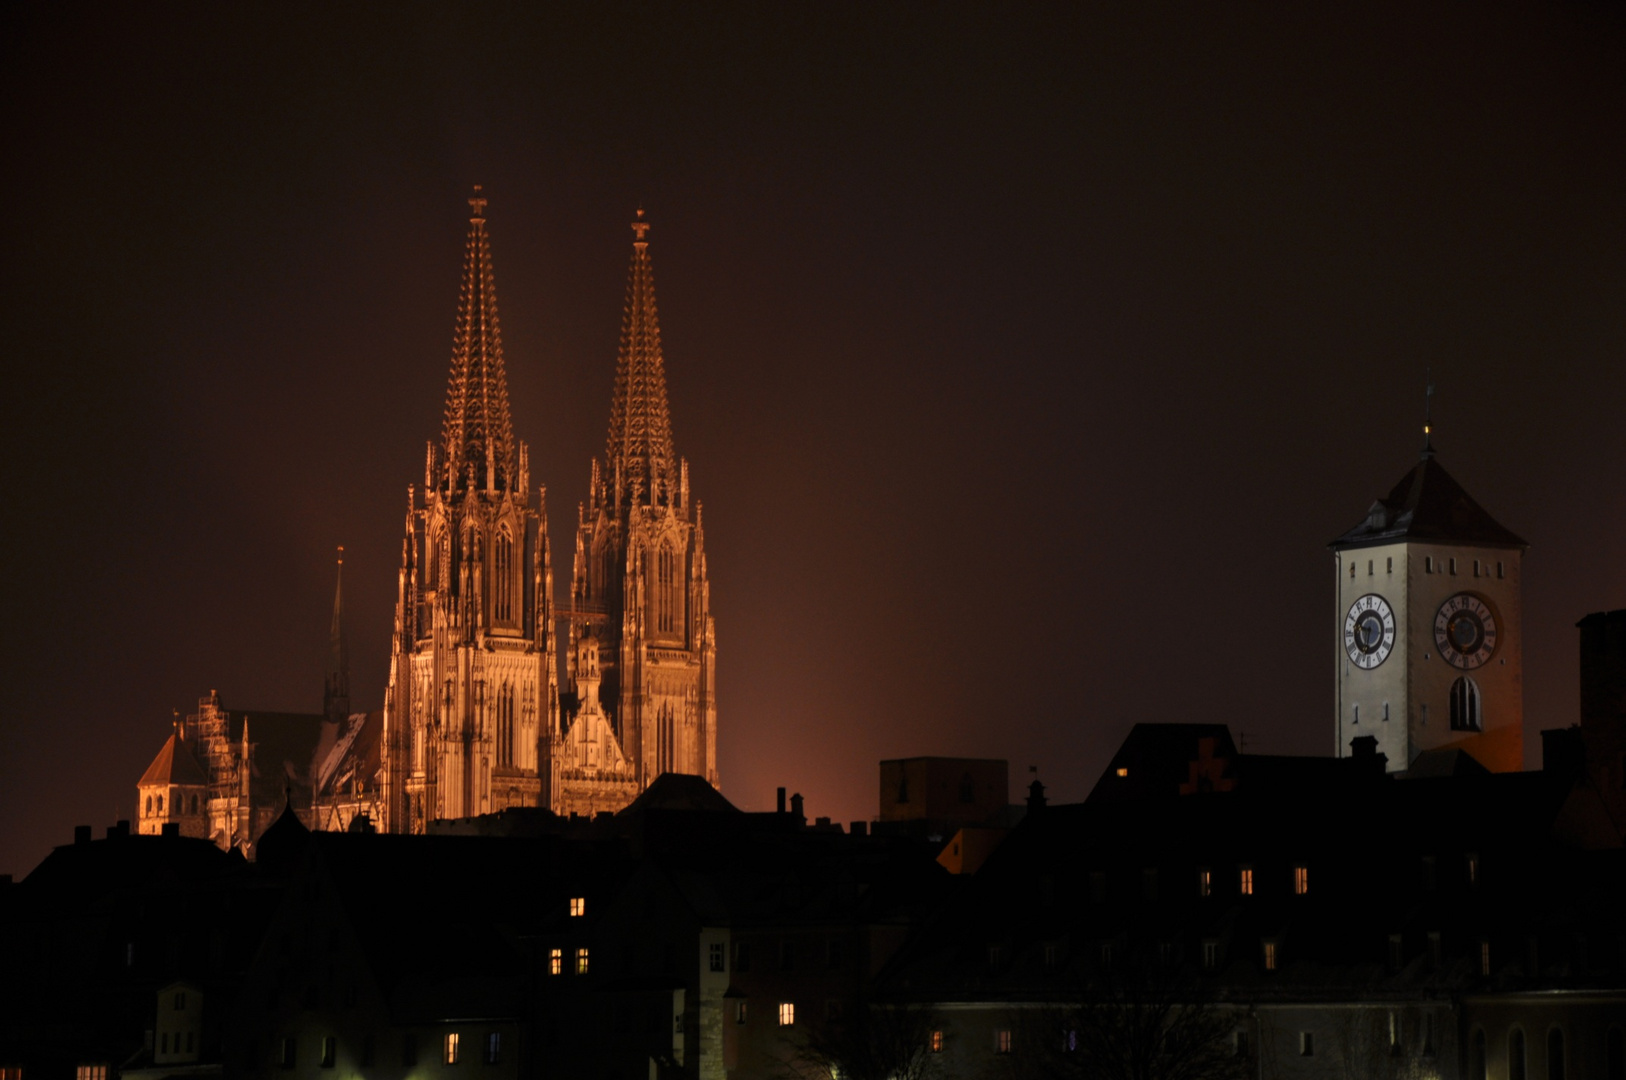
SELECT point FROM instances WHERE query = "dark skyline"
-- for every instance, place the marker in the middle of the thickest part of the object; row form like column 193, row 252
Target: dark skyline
column 1025, row 361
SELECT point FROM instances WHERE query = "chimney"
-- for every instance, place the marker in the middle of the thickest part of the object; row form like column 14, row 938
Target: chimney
column 796, row 807
column 81, row 834
column 1036, row 798
column 781, row 800
column 1363, row 746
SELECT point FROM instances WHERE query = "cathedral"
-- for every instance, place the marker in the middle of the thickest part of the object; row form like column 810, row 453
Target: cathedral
column 476, row 719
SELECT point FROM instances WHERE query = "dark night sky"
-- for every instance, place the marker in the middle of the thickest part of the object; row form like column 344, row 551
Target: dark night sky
column 1025, row 359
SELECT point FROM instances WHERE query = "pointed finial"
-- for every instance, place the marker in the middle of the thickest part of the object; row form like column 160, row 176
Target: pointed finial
column 640, row 228
column 1428, row 412
column 341, row 554
column 478, row 205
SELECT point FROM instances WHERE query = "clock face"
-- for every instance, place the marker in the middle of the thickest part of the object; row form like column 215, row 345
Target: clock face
column 1369, row 631
column 1465, row 631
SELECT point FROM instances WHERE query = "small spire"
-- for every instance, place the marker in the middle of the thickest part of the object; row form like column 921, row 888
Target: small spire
column 478, row 204
column 640, row 228
column 1428, row 412
column 336, row 699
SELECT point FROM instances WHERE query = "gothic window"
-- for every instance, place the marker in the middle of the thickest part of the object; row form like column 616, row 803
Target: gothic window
column 666, row 591
column 1555, row 1054
column 1465, row 706
column 1477, row 1069
column 502, row 592
column 1515, row 1054
column 160, row 804
column 149, row 805
column 505, row 725
column 194, row 804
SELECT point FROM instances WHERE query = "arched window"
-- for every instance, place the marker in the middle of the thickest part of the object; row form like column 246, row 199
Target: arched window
column 194, row 804
column 1476, row 1056
column 1515, row 1054
column 149, row 805
column 1555, row 1054
column 1465, row 706
column 502, row 587
column 160, row 804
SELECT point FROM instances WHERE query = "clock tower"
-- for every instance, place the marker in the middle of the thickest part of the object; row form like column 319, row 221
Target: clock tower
column 1428, row 647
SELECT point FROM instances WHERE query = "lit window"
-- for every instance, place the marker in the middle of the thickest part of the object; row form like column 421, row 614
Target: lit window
column 1002, row 1041
column 1307, row 1043
column 556, row 961
column 450, row 1056
column 581, row 961
column 787, row 1013
column 330, row 1051
column 1270, row 956
column 1484, row 958
column 1123, row 772
column 84, row 1072
column 1245, row 885
column 717, row 956
column 1205, row 882
column 578, row 906
column 1301, row 880
column 493, row 1047
column 935, row 1045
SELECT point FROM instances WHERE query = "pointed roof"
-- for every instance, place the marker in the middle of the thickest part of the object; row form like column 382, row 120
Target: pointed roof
column 174, row 765
column 640, row 442
column 338, row 675
column 478, row 434
column 1428, row 504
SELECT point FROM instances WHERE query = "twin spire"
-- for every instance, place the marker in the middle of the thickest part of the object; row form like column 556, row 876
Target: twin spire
column 477, row 438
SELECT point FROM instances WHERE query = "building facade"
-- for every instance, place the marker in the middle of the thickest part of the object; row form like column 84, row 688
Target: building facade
column 468, row 715
column 642, row 656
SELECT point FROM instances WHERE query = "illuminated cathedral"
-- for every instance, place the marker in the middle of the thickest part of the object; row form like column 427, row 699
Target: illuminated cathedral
column 481, row 713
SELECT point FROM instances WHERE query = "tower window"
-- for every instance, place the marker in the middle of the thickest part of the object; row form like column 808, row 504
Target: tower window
column 1465, row 715
column 1476, row 568
column 1391, row 566
column 578, row 906
column 1352, row 570
column 1307, row 1044
column 1484, row 959
column 505, row 725
column 666, row 591
column 581, row 961
column 1498, row 568
column 1453, row 566
column 1357, row 713
column 502, row 585
column 556, row 961
column 1301, row 880
column 1245, row 881
column 1385, row 710
column 1428, row 564
column 1205, row 882
column 1515, row 1055
column 1210, row 956
column 1369, row 568
column 450, row 1056
column 787, row 1013
column 1270, row 956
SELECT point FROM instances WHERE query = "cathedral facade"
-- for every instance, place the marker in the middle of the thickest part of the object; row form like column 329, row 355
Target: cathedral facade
column 474, row 719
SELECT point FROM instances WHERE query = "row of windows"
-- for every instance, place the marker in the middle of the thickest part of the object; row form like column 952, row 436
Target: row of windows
column 1518, row 1063
column 451, row 1052
column 834, row 955
column 1431, row 565
column 179, row 805
column 163, row 1043
column 556, row 961
column 1467, row 710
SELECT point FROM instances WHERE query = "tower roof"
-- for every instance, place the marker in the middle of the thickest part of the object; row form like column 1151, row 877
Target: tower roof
column 477, row 437
column 1428, row 504
column 640, row 442
column 174, row 765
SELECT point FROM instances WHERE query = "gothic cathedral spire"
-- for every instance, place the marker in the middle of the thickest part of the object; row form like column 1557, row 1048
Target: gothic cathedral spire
column 470, row 714
column 642, row 652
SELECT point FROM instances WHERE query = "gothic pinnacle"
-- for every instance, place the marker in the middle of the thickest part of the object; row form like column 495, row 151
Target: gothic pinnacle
column 639, row 448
